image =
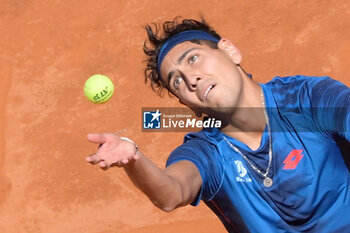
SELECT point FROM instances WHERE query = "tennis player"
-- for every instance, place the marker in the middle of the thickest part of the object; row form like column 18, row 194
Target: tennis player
column 273, row 166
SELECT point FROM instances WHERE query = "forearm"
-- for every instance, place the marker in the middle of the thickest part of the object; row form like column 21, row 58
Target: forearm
column 163, row 190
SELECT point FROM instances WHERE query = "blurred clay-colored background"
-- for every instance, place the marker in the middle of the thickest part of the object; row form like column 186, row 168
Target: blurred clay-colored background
column 49, row 48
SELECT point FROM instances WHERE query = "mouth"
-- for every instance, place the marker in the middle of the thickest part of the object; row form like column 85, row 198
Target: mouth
column 208, row 90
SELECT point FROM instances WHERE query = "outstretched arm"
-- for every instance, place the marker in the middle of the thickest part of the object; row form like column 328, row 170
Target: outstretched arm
column 168, row 189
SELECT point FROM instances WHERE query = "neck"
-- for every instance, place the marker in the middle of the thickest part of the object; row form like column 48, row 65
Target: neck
column 247, row 122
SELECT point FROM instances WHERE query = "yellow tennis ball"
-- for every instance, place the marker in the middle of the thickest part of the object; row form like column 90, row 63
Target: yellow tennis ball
column 98, row 88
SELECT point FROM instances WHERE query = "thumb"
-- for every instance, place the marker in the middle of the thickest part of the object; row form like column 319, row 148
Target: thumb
column 96, row 138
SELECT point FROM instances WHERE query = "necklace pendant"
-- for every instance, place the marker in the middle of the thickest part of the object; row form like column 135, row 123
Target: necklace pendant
column 268, row 182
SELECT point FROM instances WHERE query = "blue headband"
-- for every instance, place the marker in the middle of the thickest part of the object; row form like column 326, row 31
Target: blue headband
column 179, row 38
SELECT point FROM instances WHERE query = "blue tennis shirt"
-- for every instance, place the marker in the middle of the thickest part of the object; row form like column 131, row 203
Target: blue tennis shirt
column 308, row 117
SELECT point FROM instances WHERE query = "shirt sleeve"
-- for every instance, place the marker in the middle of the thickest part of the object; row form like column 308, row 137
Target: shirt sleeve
column 206, row 158
column 330, row 106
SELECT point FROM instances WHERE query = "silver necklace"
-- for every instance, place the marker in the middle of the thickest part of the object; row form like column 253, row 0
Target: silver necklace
column 268, row 182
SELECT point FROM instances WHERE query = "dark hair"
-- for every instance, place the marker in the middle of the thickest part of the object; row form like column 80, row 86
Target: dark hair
column 158, row 36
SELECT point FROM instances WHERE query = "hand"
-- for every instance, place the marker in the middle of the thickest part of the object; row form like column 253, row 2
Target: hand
column 113, row 151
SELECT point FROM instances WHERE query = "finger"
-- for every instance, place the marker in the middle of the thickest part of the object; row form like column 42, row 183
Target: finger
column 102, row 138
column 103, row 165
column 136, row 157
column 96, row 138
column 118, row 164
column 125, row 161
column 93, row 159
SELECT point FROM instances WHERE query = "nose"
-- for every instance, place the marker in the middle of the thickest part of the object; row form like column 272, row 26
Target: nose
column 192, row 80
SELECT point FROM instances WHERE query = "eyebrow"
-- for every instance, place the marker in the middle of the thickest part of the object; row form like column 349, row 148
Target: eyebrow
column 170, row 76
column 184, row 55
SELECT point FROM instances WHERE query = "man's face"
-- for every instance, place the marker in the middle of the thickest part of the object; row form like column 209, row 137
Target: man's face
column 203, row 77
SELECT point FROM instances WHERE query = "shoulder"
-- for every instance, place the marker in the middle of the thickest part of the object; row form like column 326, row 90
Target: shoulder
column 296, row 82
column 198, row 147
column 195, row 144
column 203, row 151
column 298, row 90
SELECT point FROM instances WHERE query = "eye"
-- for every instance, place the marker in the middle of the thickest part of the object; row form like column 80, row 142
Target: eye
column 177, row 82
column 192, row 59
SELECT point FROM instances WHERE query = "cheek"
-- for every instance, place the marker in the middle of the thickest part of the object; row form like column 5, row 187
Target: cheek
column 221, row 65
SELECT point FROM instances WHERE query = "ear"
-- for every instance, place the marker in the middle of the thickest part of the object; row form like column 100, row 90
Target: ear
column 231, row 50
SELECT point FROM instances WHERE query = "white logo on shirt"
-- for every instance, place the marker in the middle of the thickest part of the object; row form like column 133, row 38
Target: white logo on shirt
column 242, row 172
